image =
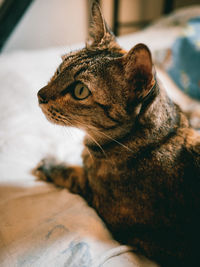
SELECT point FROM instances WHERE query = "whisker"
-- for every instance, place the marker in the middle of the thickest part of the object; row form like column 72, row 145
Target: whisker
column 109, row 137
column 95, row 130
column 90, row 153
column 94, row 140
column 97, row 145
column 66, row 130
column 119, row 143
column 85, row 147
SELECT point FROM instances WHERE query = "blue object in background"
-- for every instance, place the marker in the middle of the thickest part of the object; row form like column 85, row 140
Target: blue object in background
column 185, row 66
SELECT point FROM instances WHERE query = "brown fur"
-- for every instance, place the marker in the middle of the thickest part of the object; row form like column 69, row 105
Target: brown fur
column 141, row 162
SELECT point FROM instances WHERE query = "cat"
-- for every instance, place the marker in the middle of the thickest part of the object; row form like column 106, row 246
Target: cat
column 141, row 159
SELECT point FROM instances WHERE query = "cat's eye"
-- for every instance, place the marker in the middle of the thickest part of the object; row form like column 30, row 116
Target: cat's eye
column 81, row 91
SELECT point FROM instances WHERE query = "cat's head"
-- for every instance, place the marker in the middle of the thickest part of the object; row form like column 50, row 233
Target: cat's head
column 99, row 88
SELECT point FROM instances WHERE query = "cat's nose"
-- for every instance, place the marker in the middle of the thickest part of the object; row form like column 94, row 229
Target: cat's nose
column 42, row 98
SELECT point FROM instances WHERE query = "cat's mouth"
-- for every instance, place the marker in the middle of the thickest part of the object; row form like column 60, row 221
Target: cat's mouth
column 52, row 114
column 56, row 116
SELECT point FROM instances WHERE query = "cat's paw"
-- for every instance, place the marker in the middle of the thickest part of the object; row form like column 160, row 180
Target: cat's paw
column 59, row 173
column 43, row 171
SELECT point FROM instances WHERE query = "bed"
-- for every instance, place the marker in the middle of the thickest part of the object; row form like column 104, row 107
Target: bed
column 41, row 225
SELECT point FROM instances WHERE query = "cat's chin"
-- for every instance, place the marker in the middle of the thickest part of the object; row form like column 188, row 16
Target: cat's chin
column 54, row 121
column 57, row 122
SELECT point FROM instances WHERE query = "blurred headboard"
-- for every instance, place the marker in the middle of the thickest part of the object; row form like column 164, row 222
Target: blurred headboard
column 11, row 12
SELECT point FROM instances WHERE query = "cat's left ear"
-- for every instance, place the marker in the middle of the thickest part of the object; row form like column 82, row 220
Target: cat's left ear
column 138, row 68
column 99, row 30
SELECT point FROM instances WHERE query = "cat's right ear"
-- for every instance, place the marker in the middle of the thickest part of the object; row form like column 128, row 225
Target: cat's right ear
column 138, row 69
column 99, row 31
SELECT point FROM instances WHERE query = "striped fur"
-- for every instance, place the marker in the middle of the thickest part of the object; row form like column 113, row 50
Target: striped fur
column 141, row 162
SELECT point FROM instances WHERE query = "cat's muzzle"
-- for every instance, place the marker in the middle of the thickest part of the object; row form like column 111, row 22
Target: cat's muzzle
column 42, row 99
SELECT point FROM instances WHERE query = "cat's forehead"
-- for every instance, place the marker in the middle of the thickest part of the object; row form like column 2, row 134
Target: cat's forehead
column 84, row 54
column 89, row 58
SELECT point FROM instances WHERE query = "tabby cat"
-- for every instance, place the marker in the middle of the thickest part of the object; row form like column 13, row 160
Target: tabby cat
column 141, row 160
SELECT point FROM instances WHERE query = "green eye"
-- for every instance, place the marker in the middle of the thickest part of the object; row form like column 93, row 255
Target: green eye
column 81, row 91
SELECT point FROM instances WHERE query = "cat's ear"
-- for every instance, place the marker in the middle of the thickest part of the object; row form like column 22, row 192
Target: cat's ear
column 99, row 29
column 138, row 69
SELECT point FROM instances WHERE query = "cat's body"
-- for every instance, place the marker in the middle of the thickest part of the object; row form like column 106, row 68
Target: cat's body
column 141, row 162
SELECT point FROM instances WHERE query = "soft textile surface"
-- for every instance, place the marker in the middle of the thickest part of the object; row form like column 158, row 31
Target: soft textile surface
column 41, row 225
column 185, row 65
column 46, row 226
column 182, row 60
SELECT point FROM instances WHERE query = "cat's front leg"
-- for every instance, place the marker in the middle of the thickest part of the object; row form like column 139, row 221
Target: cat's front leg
column 59, row 173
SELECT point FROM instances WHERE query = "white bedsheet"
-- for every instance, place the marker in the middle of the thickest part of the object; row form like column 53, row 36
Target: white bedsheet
column 41, row 225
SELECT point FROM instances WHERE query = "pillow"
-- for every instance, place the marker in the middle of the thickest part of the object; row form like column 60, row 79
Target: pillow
column 182, row 60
